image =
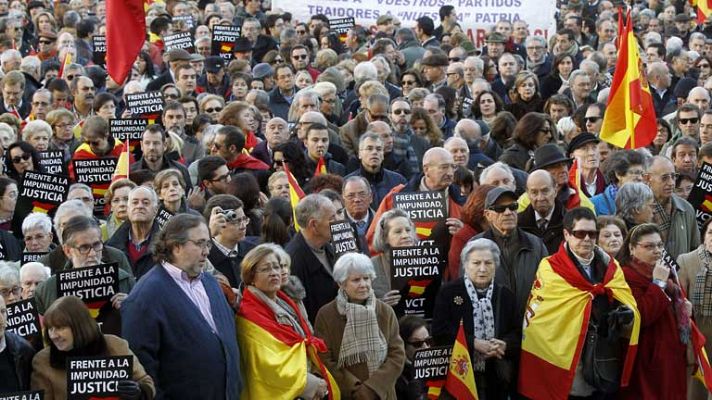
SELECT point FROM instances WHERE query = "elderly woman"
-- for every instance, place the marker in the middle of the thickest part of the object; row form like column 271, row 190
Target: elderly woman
column 635, row 204
column 366, row 354
column 611, row 233
column 474, row 223
column 105, row 105
column 623, row 167
column 532, row 131
column 695, row 279
column 487, row 311
column 118, row 198
column 242, row 115
column 10, row 288
column 170, row 187
column 31, row 275
column 37, row 133
column 71, row 331
column 267, row 320
column 62, row 122
column 212, row 105
column 37, row 231
column 393, row 230
column 525, row 95
column 660, row 371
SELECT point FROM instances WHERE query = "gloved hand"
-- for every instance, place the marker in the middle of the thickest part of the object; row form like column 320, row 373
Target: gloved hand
column 129, row 390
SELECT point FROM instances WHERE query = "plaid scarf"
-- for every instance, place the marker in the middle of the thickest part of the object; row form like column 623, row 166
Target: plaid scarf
column 702, row 295
column 363, row 340
column 662, row 219
column 483, row 318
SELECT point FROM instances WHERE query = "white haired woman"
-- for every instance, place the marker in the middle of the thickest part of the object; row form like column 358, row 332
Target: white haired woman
column 37, row 232
column 487, row 311
column 393, row 230
column 365, row 352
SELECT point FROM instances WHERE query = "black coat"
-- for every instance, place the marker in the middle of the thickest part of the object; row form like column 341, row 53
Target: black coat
column 161, row 80
column 318, row 283
column 22, row 354
column 120, row 241
column 230, row 266
column 553, row 236
column 10, row 247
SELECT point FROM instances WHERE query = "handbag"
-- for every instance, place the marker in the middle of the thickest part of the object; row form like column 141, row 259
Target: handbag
column 602, row 355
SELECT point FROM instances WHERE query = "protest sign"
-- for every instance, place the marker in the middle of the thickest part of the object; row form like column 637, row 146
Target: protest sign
column 53, row 162
column 43, row 191
column 130, row 129
column 180, row 40
column 187, row 19
column 341, row 25
column 476, row 17
column 224, row 38
column 431, row 364
column 28, row 395
column 422, row 206
column 415, row 273
column 163, row 216
column 147, row 105
column 701, row 195
column 94, row 285
column 31, row 257
column 96, row 377
column 97, row 173
column 23, row 319
column 343, row 239
column 99, row 54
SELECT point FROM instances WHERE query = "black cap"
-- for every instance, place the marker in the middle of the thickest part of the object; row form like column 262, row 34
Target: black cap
column 547, row 155
column 580, row 140
column 214, row 64
column 496, row 193
column 242, row 45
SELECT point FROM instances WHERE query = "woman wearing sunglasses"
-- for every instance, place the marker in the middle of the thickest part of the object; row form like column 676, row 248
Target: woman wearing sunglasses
column 410, row 80
column 21, row 157
column 415, row 335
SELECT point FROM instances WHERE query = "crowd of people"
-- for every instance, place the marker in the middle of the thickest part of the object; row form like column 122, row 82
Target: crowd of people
column 563, row 279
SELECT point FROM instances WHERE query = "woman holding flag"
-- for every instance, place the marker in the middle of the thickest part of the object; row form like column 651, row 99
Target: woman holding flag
column 660, row 369
column 277, row 348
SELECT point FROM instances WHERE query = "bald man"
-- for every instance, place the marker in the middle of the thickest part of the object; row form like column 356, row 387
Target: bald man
column 544, row 217
column 438, row 174
column 471, row 132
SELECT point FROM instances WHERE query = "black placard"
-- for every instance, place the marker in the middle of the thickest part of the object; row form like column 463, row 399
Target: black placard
column 163, row 216
column 94, row 285
column 145, row 105
column 97, row 173
column 415, row 273
column 701, row 195
column 92, row 377
column 431, row 364
column 44, row 191
column 180, row 40
column 670, row 261
column 28, row 395
column 188, row 19
column 31, row 257
column 343, row 238
column 99, row 54
column 23, row 319
column 223, row 40
column 53, row 162
column 131, row 128
column 341, row 26
column 422, row 206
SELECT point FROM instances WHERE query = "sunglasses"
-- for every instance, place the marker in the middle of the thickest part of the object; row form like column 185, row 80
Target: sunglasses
column 278, row 162
column 171, row 96
column 23, row 157
column 300, row 57
column 404, row 83
column 500, row 209
column 420, row 343
column 583, row 234
column 212, row 110
column 46, row 42
column 454, row 59
column 401, row 111
column 685, row 121
column 592, row 120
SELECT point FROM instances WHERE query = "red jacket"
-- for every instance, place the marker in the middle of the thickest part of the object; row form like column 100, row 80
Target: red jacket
column 244, row 161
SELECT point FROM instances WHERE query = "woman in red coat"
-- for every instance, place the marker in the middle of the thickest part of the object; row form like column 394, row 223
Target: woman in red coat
column 660, row 370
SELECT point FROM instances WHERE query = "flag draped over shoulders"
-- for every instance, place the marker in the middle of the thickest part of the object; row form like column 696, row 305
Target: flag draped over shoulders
column 274, row 357
column 555, row 324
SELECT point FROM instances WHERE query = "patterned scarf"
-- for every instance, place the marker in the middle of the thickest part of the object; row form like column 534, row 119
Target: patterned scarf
column 363, row 340
column 702, row 295
column 483, row 318
column 662, row 219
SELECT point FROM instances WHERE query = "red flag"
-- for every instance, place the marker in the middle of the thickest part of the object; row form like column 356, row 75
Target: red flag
column 320, row 167
column 125, row 34
column 704, row 9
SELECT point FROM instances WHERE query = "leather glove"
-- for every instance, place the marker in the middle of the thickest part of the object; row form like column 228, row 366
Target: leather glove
column 129, row 390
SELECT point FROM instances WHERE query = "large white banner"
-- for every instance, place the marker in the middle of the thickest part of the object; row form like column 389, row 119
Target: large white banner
column 477, row 17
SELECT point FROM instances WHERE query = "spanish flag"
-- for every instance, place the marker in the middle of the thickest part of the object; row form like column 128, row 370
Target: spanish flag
column 124, row 45
column 274, row 358
column 460, row 381
column 703, row 371
column 417, row 287
column 122, row 165
column 65, row 64
column 320, row 167
column 704, row 9
column 707, row 203
column 295, row 194
column 630, row 116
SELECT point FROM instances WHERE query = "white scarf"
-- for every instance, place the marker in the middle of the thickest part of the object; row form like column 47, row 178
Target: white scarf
column 482, row 316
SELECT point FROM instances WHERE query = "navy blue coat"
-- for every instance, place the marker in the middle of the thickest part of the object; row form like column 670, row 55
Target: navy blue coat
column 175, row 344
column 381, row 183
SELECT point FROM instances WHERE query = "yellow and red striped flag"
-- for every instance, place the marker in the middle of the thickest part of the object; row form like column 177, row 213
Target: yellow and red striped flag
column 417, row 287
column 704, row 9
column 460, row 381
column 703, row 371
column 320, row 167
column 122, row 165
column 65, row 64
column 295, row 194
column 630, row 116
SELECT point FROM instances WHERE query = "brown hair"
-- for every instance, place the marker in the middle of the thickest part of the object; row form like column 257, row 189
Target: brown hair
column 474, row 209
column 70, row 311
column 252, row 258
column 605, row 220
column 433, row 134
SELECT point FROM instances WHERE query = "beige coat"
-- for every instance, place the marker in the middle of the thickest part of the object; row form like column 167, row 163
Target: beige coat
column 54, row 381
column 330, row 327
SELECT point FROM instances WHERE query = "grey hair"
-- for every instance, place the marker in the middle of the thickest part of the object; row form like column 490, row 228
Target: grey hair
column 81, row 186
column 151, row 192
column 380, row 242
column 368, row 136
column 35, row 127
column 310, row 208
column 308, row 92
column 31, row 65
column 279, row 251
column 539, row 39
column 357, row 178
column 323, row 88
column 69, row 206
column 588, row 63
column 498, row 165
column 652, row 37
column 479, row 244
column 36, row 266
column 631, row 198
column 37, row 220
column 10, row 54
column 9, row 275
column 693, row 36
column 365, row 71
column 576, row 74
column 479, row 63
column 201, row 39
column 353, row 263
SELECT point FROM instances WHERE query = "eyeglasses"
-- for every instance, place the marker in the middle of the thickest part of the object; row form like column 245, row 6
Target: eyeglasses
column 400, row 111
column 378, row 117
column 582, row 234
column 408, row 83
column 300, row 57
column 86, row 248
column 212, row 110
column 46, row 42
column 16, row 290
column 536, row 48
column 669, row 177
column 70, row 77
column 225, row 178
column 23, row 157
column 203, row 244
column 241, row 221
column 500, row 209
column 685, row 121
column 421, row 343
column 592, row 120
column 171, row 96
column 652, row 246
column 278, row 162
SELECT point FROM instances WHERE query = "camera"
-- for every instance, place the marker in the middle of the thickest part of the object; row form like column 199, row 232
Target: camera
column 230, row 215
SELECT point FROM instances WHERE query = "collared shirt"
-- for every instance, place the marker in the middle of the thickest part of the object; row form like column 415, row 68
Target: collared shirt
column 194, row 289
column 228, row 252
column 538, row 217
column 361, row 224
